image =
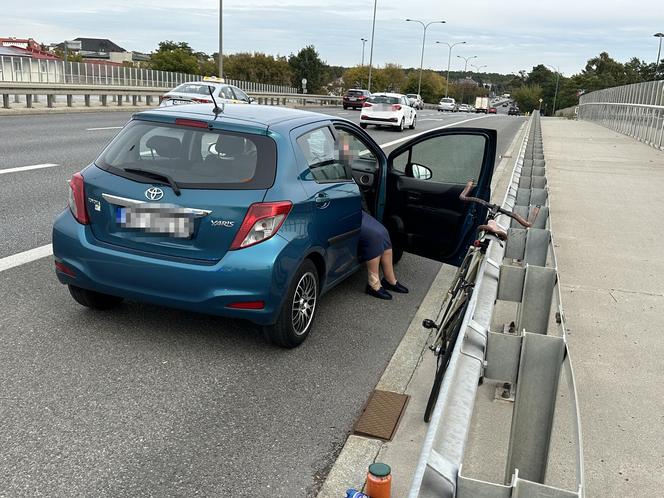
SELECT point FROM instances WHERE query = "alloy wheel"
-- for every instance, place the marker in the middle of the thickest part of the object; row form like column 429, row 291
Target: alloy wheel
column 304, row 303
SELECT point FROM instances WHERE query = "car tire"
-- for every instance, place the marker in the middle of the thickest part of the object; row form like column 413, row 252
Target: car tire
column 363, row 126
column 412, row 125
column 402, row 125
column 94, row 300
column 345, row 107
column 290, row 331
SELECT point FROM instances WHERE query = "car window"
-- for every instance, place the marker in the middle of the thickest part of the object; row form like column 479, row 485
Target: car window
column 322, row 155
column 384, row 99
column 226, row 93
column 240, row 95
column 193, row 157
column 195, row 88
column 353, row 152
column 444, row 159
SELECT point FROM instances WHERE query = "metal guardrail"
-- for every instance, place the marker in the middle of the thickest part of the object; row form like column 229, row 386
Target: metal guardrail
column 28, row 70
column 531, row 359
column 137, row 94
column 636, row 110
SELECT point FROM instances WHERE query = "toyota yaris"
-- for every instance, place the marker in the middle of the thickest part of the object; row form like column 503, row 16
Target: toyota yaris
column 254, row 212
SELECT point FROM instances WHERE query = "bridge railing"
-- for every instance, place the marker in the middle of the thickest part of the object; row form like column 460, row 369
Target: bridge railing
column 528, row 360
column 636, row 110
column 43, row 71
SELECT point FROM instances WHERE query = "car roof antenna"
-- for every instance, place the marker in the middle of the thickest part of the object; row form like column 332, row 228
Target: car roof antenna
column 216, row 109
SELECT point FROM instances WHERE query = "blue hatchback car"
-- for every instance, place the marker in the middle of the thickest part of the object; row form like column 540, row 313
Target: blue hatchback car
column 254, row 212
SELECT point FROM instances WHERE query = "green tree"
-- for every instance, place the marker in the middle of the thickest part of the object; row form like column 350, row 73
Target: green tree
column 71, row 56
column 528, row 97
column 174, row 56
column 433, row 85
column 308, row 64
column 258, row 67
column 394, row 77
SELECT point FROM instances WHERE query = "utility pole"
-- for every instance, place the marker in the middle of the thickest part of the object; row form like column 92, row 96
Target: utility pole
column 424, row 37
column 555, row 95
column 465, row 68
column 373, row 29
column 221, row 39
column 364, row 42
column 449, row 59
column 659, row 51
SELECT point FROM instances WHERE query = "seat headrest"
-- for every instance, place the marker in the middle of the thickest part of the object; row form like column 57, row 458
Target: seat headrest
column 169, row 147
column 230, row 145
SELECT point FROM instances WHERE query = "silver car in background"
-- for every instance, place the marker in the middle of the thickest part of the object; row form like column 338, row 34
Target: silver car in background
column 198, row 92
column 446, row 104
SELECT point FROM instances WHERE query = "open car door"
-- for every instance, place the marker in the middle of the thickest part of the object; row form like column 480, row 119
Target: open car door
column 425, row 176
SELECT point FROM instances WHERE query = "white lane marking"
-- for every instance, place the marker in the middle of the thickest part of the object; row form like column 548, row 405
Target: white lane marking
column 27, row 168
column 393, row 142
column 104, row 128
column 26, row 257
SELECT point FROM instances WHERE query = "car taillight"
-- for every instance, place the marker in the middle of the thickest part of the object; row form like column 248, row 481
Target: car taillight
column 201, row 101
column 396, row 107
column 366, row 104
column 77, row 199
column 262, row 221
column 191, row 122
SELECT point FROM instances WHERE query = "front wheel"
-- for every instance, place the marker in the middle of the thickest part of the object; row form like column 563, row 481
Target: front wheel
column 412, row 125
column 92, row 299
column 297, row 312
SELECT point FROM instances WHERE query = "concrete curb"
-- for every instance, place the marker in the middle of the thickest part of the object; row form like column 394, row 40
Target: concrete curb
column 359, row 452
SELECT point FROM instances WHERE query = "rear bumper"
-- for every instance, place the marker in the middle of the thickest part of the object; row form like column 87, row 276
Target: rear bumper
column 258, row 273
column 393, row 121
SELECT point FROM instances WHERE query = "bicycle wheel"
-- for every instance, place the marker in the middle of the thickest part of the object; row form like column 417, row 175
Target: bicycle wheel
column 451, row 333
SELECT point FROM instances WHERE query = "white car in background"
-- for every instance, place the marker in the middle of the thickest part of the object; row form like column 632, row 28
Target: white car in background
column 388, row 109
column 415, row 100
column 446, row 104
column 197, row 92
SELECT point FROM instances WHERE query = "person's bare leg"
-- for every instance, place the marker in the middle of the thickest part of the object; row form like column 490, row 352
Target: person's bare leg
column 373, row 269
column 388, row 267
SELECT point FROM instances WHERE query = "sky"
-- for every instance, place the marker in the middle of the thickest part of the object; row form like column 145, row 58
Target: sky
column 506, row 36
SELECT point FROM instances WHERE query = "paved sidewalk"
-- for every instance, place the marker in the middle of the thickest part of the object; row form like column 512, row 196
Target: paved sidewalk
column 606, row 208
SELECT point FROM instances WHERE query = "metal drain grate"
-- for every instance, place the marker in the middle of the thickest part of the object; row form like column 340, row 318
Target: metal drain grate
column 381, row 415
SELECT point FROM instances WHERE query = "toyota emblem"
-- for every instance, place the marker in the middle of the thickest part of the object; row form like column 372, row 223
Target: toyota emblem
column 154, row 193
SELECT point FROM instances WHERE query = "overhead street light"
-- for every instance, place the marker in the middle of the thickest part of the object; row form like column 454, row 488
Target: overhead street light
column 555, row 95
column 477, row 68
column 449, row 58
column 373, row 29
column 424, row 37
column 465, row 68
column 364, row 42
column 659, row 51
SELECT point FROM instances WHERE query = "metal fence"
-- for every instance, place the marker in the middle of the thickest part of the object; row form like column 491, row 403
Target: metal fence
column 636, row 110
column 28, row 70
column 531, row 358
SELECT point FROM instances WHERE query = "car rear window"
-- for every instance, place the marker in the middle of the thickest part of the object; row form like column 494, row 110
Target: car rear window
column 195, row 88
column 446, row 101
column 192, row 157
column 412, row 95
column 384, row 99
column 354, row 93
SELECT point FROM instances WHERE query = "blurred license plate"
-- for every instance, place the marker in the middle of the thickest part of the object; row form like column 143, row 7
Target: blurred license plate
column 169, row 221
column 352, row 98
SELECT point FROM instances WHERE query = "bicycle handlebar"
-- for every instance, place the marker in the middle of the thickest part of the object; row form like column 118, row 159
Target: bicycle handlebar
column 466, row 198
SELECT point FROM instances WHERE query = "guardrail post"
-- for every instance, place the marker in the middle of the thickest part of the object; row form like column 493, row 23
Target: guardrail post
column 5, row 100
column 148, row 100
column 532, row 419
column 134, row 99
column 104, row 100
column 50, row 100
column 119, row 100
column 70, row 100
column 28, row 101
column 87, row 101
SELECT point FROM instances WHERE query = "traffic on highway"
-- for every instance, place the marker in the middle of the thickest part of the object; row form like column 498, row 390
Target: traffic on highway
column 147, row 395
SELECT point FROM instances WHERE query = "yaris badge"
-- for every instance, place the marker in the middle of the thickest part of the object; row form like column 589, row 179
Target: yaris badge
column 154, row 193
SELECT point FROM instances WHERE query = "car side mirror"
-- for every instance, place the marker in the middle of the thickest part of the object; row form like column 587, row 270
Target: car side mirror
column 251, row 100
column 420, row 172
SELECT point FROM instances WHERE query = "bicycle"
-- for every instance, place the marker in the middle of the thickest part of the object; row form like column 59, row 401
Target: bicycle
column 459, row 294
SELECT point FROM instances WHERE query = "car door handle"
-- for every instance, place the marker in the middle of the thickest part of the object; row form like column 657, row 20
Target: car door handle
column 414, row 196
column 322, row 201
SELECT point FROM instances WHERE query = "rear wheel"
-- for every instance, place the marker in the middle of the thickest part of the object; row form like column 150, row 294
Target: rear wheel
column 345, row 107
column 412, row 125
column 363, row 126
column 297, row 312
column 92, row 299
column 402, row 125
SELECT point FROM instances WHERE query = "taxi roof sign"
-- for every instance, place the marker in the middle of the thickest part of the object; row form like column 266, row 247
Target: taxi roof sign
column 214, row 78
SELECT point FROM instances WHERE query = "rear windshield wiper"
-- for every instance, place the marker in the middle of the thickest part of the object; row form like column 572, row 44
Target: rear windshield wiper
column 156, row 176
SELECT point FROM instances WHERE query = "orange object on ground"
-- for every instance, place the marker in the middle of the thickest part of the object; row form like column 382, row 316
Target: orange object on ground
column 379, row 481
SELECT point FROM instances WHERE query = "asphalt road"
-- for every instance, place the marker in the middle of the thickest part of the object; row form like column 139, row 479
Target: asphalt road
column 148, row 401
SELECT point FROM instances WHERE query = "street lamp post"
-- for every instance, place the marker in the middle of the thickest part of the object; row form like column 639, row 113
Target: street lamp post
column 449, row 59
column 221, row 39
column 465, row 68
column 364, row 42
column 659, row 51
column 424, row 37
column 555, row 94
column 373, row 29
